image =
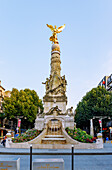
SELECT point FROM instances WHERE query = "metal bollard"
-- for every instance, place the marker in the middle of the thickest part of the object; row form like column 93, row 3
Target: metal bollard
column 30, row 157
column 72, row 157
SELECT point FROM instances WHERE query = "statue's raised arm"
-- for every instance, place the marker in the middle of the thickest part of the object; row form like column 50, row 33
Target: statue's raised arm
column 60, row 28
column 55, row 31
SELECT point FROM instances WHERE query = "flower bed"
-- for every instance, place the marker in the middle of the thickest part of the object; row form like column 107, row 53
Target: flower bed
column 27, row 136
column 80, row 135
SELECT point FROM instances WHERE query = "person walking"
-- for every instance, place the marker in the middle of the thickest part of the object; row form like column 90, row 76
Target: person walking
column 4, row 141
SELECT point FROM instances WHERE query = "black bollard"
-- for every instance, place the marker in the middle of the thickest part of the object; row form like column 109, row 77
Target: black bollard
column 72, row 157
column 30, row 157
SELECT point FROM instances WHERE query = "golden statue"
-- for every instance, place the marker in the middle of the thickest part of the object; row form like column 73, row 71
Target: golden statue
column 55, row 31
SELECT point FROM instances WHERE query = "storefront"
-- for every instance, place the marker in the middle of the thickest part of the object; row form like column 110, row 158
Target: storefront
column 110, row 128
column 107, row 131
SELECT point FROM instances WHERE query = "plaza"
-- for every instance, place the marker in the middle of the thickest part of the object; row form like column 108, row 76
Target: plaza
column 73, row 109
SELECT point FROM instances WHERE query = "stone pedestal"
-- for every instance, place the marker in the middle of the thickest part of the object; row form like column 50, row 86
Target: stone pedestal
column 8, row 141
column 69, row 122
column 39, row 123
column 9, row 164
column 51, row 164
column 49, row 104
column 99, row 140
column 66, row 120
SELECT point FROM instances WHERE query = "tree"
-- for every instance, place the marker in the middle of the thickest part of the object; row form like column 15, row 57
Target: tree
column 96, row 102
column 22, row 103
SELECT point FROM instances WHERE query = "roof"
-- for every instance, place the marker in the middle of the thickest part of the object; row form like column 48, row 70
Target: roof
column 2, row 87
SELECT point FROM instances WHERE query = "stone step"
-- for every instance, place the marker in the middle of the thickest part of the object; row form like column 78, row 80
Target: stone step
column 54, row 136
column 53, row 139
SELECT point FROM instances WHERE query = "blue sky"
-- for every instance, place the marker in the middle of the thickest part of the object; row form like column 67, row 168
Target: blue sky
column 86, row 43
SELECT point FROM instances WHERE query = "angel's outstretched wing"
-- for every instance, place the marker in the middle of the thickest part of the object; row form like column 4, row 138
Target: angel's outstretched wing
column 51, row 27
column 60, row 28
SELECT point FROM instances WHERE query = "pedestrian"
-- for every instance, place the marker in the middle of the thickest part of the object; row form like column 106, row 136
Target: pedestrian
column 17, row 134
column 107, row 138
column 4, row 141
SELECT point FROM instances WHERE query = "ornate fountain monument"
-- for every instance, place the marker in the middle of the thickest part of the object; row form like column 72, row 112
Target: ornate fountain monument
column 55, row 117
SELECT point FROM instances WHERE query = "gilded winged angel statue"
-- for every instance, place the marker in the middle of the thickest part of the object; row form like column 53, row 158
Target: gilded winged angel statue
column 55, row 31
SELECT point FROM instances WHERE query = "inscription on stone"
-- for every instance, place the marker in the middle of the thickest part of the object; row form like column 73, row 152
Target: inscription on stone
column 9, row 164
column 48, row 164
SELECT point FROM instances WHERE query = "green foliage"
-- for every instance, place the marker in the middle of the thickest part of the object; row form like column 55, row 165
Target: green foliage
column 27, row 136
column 22, row 103
column 80, row 135
column 96, row 102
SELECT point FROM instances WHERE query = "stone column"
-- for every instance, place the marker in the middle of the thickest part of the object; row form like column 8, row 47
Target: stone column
column 91, row 127
column 55, row 60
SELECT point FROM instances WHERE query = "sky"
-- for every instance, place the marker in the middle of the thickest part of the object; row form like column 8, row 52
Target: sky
column 85, row 43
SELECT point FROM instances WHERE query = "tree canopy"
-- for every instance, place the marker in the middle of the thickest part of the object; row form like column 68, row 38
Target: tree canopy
column 97, row 102
column 22, row 103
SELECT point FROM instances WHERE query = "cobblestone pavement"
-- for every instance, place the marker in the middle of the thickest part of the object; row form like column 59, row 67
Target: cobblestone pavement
column 81, row 162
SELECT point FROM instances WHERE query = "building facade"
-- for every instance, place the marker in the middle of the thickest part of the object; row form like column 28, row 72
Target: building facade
column 2, row 92
column 109, row 83
column 106, row 82
column 103, row 82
